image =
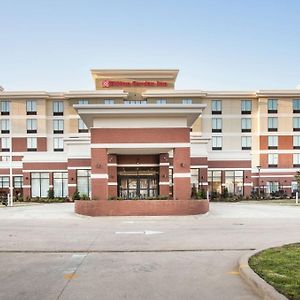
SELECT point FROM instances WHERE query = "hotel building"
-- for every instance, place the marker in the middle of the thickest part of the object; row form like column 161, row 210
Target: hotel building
column 136, row 136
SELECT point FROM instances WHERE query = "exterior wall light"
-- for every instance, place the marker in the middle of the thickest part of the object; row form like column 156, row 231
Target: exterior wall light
column 98, row 165
column 182, row 164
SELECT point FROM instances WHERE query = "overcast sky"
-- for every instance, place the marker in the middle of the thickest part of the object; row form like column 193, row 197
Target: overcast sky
column 216, row 45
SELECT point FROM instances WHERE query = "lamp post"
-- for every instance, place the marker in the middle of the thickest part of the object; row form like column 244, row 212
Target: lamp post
column 258, row 168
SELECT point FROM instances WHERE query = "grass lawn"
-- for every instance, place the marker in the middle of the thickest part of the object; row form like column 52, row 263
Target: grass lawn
column 280, row 267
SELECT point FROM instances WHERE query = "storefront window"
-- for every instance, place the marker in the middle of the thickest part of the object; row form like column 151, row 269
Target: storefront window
column 272, row 187
column 4, row 182
column 84, row 182
column 234, row 182
column 18, row 182
column 195, row 178
column 39, row 184
column 214, row 181
column 60, row 184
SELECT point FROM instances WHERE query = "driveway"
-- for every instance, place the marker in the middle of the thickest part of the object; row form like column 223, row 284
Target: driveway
column 48, row 252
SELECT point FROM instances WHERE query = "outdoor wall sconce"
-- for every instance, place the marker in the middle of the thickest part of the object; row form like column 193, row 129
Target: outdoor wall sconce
column 182, row 164
column 72, row 178
column 98, row 165
column 26, row 178
column 164, row 176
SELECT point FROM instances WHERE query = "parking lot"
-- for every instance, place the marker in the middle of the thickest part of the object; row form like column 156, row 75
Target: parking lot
column 48, row 252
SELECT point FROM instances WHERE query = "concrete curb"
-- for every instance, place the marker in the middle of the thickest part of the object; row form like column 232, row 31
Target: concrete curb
column 261, row 287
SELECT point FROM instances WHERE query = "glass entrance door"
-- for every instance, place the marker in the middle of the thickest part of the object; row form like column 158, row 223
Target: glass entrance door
column 136, row 183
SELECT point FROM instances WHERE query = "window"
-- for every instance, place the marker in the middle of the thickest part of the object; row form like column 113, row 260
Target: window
column 195, row 178
column 84, row 182
column 214, row 181
column 81, row 126
column 39, row 184
column 296, row 124
column 216, row 125
column 246, row 142
column 58, row 108
column 296, row 106
column 18, row 182
column 5, row 144
column 83, row 101
column 5, row 158
column 4, row 182
column 296, row 141
column 60, row 184
column 296, row 160
column 216, row 107
column 234, row 182
column 58, row 144
column 32, row 144
column 246, row 107
column 31, row 125
column 273, row 160
column 272, row 187
column 5, row 126
column 246, row 124
column 31, row 107
column 58, row 126
column 294, row 186
column 161, row 101
column 272, row 105
column 187, row 101
column 272, row 142
column 5, row 108
column 109, row 101
column 216, row 143
column 135, row 102
column 272, row 124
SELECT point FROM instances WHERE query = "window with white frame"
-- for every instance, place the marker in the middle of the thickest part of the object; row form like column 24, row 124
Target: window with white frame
column 84, row 182
column 39, row 184
column 161, row 101
column 246, row 107
column 296, row 106
column 272, row 142
column 296, row 159
column 187, row 101
column 273, row 159
column 5, row 144
column 296, row 123
column 4, row 181
column 246, row 124
column 60, row 184
column 133, row 102
column 296, row 141
column 18, row 182
column 272, row 124
column 31, row 144
column 246, row 142
column 58, row 108
column 5, row 126
column 216, row 124
column 216, row 143
column 31, row 125
column 82, row 127
column 58, row 144
column 58, row 126
column 5, row 107
column 216, row 107
column 31, row 107
column 83, row 101
column 272, row 105
column 272, row 187
column 109, row 101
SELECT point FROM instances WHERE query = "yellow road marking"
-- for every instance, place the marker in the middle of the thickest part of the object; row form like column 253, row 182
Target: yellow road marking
column 70, row 276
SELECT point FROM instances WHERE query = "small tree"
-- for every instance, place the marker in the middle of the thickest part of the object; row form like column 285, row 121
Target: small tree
column 297, row 178
column 51, row 193
column 76, row 195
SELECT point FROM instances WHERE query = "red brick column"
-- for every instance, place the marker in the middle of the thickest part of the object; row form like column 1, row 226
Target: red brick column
column 112, row 176
column 71, row 182
column 182, row 173
column 99, row 173
column 164, row 174
column 26, row 185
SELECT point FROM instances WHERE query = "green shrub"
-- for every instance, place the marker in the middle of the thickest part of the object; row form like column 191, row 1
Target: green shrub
column 76, row 195
column 51, row 193
column 84, row 197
